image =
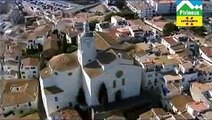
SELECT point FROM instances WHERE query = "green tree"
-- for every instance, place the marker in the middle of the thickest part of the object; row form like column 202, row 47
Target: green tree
column 120, row 3
column 198, row 30
column 92, row 24
column 169, row 28
column 126, row 14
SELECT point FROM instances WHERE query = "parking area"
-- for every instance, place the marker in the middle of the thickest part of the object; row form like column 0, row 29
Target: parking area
column 52, row 5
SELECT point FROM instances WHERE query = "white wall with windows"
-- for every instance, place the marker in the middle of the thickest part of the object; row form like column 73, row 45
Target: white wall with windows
column 128, row 82
column 29, row 72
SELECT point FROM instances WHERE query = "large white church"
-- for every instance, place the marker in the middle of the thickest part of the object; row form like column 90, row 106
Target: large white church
column 88, row 68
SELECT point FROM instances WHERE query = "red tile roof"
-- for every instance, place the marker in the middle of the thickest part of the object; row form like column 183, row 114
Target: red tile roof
column 30, row 62
column 170, row 40
column 207, row 51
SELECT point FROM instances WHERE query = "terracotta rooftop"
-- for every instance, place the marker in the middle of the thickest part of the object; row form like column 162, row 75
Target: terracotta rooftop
column 67, row 114
column 141, row 24
column 180, row 101
column 139, row 4
column 39, row 31
column 46, row 72
column 170, row 40
column 118, row 18
column 18, row 92
column 142, row 46
column 187, row 65
column 93, row 69
column 101, row 44
column 64, row 62
column 158, row 22
column 207, row 51
column 171, row 76
column 203, row 87
column 34, row 116
column 198, row 106
column 204, row 67
column 108, row 39
column 50, row 44
column 30, row 62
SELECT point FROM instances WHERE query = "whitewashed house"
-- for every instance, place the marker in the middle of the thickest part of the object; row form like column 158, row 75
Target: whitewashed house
column 29, row 68
column 142, row 8
column 18, row 97
column 163, row 6
column 188, row 73
column 197, row 108
column 87, row 69
column 118, row 21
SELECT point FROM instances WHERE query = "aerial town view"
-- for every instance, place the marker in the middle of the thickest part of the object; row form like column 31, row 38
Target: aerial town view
column 105, row 59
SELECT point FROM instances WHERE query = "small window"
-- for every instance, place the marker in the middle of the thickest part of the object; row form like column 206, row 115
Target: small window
column 150, row 75
column 34, row 72
column 56, row 99
column 34, row 76
column 22, row 72
column 55, row 73
column 57, row 107
column 3, row 109
column 114, row 84
column 32, row 67
column 209, row 78
column 24, row 77
column 17, row 88
column 30, row 104
column 70, row 73
column 17, row 105
column 123, row 81
column 119, row 74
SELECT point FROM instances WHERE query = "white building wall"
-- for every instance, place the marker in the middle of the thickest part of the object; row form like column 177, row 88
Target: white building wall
column 70, row 85
column 197, row 95
column 44, row 98
column 189, row 77
column 28, row 73
column 9, row 67
column 86, row 50
column 20, row 107
column 131, row 87
column 87, row 87
column 168, row 68
column 149, row 80
column 165, row 8
column 114, row 22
